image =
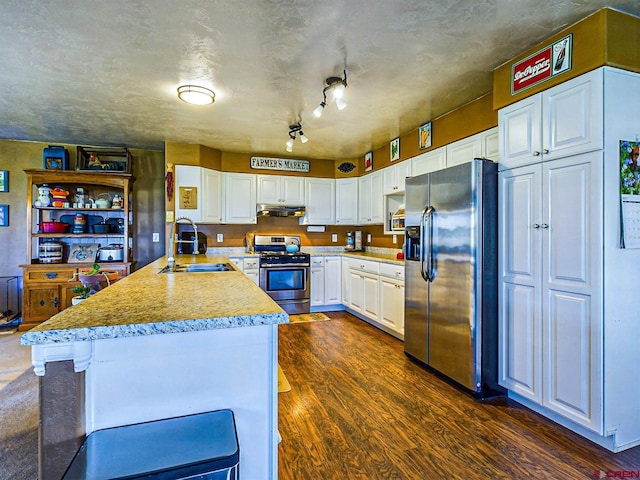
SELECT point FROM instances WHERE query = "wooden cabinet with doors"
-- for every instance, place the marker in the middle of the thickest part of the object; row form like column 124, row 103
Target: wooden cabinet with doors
column 73, row 224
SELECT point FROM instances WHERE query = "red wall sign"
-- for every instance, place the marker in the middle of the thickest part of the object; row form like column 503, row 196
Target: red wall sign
column 542, row 65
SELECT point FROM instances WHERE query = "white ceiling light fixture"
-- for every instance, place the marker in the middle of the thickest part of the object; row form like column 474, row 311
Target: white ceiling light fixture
column 336, row 86
column 196, row 95
column 294, row 129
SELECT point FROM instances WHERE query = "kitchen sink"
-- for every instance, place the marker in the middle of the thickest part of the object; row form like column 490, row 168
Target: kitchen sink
column 199, row 267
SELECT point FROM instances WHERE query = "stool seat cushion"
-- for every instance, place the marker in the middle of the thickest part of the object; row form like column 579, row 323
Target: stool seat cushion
column 161, row 449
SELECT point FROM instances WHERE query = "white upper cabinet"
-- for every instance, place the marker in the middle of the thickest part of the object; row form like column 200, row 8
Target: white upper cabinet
column 370, row 203
column 429, row 162
column 491, row 144
column 280, row 190
column 394, row 177
column 240, row 198
column 565, row 120
column 347, row 201
column 320, row 201
column 198, row 194
column 464, row 150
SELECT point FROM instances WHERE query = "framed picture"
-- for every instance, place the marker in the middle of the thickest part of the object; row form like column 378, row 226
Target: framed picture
column 188, row 198
column 368, row 161
column 4, row 215
column 424, row 136
column 4, row 180
column 394, row 149
column 83, row 253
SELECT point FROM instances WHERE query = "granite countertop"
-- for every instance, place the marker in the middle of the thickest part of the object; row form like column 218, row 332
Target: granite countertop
column 386, row 255
column 147, row 303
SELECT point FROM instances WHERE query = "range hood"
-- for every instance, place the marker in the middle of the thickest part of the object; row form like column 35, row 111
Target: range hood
column 280, row 211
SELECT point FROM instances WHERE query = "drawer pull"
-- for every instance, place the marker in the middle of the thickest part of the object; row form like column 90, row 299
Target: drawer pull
column 41, row 303
column 51, row 275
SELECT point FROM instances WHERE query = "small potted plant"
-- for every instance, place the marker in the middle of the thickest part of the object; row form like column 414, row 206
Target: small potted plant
column 82, row 292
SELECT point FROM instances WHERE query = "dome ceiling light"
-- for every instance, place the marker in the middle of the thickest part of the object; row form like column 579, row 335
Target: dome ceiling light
column 196, row 95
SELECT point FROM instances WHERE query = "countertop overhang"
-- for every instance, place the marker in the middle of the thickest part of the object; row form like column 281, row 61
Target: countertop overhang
column 148, row 303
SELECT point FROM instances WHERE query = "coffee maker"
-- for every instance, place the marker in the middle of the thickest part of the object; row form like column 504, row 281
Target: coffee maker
column 354, row 241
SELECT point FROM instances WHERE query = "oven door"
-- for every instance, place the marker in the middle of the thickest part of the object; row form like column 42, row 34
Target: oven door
column 285, row 282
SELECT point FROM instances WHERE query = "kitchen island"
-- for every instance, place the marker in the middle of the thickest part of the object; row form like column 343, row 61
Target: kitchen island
column 159, row 345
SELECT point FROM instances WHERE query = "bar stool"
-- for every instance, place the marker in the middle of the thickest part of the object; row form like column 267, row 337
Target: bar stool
column 203, row 445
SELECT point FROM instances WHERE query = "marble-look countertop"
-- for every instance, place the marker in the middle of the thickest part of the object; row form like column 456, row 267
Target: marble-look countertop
column 147, row 302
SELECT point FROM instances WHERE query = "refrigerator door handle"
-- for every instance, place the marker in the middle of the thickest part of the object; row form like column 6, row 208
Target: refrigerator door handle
column 424, row 219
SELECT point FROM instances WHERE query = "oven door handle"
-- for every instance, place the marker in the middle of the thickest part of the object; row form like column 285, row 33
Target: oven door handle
column 284, row 265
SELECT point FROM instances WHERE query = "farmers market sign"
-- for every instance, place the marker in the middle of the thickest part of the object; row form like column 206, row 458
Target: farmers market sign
column 282, row 164
column 542, row 65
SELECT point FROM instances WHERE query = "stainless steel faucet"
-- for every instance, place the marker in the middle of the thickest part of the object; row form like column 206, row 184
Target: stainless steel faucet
column 171, row 261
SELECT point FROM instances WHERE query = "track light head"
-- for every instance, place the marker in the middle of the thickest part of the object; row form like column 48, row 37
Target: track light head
column 318, row 111
column 336, row 86
column 295, row 128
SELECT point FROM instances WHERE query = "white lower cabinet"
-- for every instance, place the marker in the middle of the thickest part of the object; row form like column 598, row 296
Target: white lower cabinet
column 551, row 286
column 392, row 297
column 346, row 295
column 251, row 268
column 326, row 281
column 375, row 291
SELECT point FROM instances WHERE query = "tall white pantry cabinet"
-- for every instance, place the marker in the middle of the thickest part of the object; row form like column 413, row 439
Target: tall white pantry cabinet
column 569, row 305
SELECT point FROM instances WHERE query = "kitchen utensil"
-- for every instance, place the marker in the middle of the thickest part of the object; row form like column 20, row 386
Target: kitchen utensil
column 102, row 228
column 90, row 220
column 79, row 224
column 103, row 201
column 292, row 247
column 50, row 252
column 111, row 253
column 118, row 224
column 53, row 227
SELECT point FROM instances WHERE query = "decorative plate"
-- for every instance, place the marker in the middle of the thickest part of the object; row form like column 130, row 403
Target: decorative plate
column 83, row 253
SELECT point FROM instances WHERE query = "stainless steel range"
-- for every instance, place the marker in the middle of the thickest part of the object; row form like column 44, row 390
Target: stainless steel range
column 284, row 271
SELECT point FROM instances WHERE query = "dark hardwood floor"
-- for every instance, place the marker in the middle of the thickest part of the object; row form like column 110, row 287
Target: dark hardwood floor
column 359, row 409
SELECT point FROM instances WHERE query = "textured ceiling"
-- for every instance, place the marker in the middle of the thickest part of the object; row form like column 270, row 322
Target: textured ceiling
column 95, row 72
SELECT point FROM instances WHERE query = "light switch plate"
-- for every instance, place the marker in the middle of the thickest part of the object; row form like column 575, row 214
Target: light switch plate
column 156, row 237
column 368, row 238
column 334, row 237
column 395, row 238
column 219, row 237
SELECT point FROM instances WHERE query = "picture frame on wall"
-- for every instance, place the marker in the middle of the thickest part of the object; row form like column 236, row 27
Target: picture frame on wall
column 4, row 215
column 394, row 149
column 368, row 161
column 4, row 180
column 424, row 136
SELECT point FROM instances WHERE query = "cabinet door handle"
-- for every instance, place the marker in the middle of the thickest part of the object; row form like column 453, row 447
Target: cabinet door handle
column 41, row 303
column 544, row 225
column 545, row 151
column 51, row 275
column 536, row 226
column 536, row 153
column 55, row 301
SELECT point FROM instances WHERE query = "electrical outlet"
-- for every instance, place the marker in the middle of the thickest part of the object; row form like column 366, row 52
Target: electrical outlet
column 334, row 237
column 219, row 238
column 368, row 238
column 156, row 237
column 395, row 238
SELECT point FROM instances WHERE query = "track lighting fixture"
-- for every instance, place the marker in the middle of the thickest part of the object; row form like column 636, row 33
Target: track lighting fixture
column 294, row 129
column 336, row 86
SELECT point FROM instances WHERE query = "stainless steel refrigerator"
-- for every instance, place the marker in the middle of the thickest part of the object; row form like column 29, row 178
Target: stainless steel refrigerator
column 451, row 268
